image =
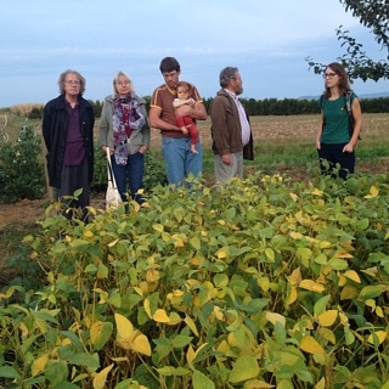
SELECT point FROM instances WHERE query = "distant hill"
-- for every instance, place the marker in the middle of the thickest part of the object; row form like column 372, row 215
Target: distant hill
column 366, row 96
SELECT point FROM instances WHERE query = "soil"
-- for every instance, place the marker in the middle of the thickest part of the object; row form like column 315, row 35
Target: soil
column 27, row 211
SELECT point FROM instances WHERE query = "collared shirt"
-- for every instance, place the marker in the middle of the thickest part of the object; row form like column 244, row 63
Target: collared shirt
column 246, row 131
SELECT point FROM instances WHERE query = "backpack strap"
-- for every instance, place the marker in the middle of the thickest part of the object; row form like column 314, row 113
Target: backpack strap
column 350, row 113
column 322, row 104
column 348, row 102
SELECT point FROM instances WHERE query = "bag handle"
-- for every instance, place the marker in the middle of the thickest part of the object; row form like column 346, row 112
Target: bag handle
column 111, row 175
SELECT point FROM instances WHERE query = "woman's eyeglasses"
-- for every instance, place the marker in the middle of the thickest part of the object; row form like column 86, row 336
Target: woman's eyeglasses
column 330, row 75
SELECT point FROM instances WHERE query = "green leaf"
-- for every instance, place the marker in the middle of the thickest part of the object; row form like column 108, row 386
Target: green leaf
column 67, row 385
column 180, row 341
column 338, row 264
column 9, row 372
column 84, row 359
column 371, row 292
column 321, row 305
column 100, row 334
column 56, row 372
column 195, row 242
column 200, row 381
column 245, row 368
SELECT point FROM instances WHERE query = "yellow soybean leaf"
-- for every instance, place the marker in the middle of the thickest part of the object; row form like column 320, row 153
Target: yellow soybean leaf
column 325, row 245
column 257, row 384
column 223, row 347
column 311, row 345
column 24, row 329
column 344, row 255
column 294, row 197
column 327, row 335
column 113, row 243
column 124, row 327
column 321, row 384
column 328, row 318
column 120, row 359
column 342, row 281
column 312, row 286
column 381, row 335
column 147, row 307
column 190, row 354
column 142, row 345
column 349, row 292
column 264, row 283
column 275, row 317
column 158, row 227
column 101, row 378
column 296, row 235
column 191, row 324
column 271, row 256
column 343, row 319
column 222, row 254
column 317, row 192
column 160, row 316
column 292, row 296
column 166, row 237
column 88, row 234
column 152, row 275
column 38, row 366
column 373, row 193
column 379, row 312
column 7, row 295
column 353, row 275
column 218, row 313
column 295, row 277
column 178, row 242
column 370, row 303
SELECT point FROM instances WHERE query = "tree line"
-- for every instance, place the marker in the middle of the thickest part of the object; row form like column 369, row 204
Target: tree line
column 265, row 107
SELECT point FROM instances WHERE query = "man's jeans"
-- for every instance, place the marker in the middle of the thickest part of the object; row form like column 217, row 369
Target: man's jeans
column 180, row 161
column 133, row 171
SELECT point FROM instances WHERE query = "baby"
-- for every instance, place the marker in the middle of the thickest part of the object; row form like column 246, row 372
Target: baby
column 186, row 123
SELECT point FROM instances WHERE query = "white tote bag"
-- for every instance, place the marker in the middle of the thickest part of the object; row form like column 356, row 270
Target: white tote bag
column 113, row 198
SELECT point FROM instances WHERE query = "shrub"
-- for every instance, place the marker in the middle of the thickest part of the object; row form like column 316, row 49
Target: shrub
column 21, row 168
column 258, row 284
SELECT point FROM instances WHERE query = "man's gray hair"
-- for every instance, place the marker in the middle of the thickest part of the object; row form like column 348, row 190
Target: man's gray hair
column 62, row 78
column 226, row 75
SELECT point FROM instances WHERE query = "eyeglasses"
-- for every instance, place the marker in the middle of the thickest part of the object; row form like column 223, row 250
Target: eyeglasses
column 72, row 82
column 330, row 75
column 123, row 83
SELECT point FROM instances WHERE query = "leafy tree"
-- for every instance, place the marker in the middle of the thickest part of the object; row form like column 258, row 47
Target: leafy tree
column 373, row 14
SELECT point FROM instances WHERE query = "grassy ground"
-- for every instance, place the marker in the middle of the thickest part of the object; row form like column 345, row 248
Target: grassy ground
column 283, row 145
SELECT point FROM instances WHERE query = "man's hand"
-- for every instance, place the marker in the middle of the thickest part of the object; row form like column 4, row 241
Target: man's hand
column 227, row 160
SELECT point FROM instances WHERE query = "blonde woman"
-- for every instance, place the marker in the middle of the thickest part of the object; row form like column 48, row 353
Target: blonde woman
column 124, row 128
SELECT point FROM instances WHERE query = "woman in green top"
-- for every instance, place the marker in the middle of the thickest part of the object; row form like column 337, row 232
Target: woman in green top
column 336, row 140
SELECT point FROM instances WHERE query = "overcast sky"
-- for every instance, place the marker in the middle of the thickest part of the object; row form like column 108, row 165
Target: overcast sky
column 266, row 40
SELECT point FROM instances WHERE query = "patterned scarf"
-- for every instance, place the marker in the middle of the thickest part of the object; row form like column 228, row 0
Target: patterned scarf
column 127, row 117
